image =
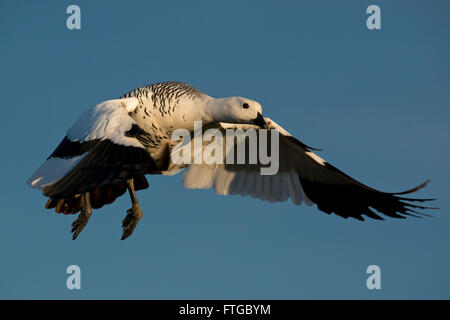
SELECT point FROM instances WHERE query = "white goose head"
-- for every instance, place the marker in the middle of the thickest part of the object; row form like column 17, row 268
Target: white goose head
column 236, row 110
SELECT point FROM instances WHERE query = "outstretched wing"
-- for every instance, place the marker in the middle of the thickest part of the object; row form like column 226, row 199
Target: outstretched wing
column 302, row 176
column 96, row 152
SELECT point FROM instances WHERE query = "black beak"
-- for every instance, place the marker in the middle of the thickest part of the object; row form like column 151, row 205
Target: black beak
column 260, row 122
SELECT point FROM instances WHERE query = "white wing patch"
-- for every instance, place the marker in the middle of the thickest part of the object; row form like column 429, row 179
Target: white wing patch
column 316, row 158
column 242, row 180
column 107, row 120
column 275, row 188
column 53, row 170
column 207, row 176
column 273, row 124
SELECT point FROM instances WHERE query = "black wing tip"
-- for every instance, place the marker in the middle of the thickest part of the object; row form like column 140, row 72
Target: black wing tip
column 420, row 186
column 403, row 210
column 301, row 144
column 409, row 205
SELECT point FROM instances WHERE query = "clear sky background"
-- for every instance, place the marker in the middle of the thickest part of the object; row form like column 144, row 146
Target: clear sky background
column 377, row 102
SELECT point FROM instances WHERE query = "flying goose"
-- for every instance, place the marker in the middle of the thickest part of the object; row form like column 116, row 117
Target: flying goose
column 115, row 144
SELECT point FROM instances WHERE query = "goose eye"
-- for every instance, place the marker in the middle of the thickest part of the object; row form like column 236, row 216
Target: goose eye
column 245, row 106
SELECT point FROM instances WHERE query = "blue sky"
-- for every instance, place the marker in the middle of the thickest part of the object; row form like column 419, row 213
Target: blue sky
column 376, row 102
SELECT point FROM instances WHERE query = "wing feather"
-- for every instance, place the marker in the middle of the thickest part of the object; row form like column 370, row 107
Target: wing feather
column 97, row 152
column 305, row 177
